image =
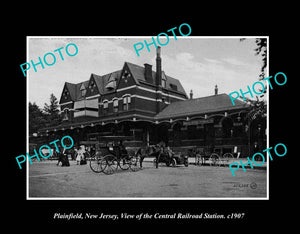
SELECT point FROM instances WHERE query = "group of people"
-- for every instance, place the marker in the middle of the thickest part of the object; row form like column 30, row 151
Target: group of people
column 78, row 153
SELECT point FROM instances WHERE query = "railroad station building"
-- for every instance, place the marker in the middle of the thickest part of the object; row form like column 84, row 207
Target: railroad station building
column 150, row 106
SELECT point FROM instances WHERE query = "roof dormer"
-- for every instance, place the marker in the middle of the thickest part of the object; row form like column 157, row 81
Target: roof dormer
column 112, row 82
column 82, row 90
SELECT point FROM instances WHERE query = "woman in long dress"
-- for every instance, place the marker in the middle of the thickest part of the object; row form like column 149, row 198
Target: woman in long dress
column 80, row 154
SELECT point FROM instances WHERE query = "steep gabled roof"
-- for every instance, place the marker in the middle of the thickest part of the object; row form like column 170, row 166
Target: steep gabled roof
column 101, row 82
column 78, row 87
column 105, row 79
column 96, row 78
column 170, row 80
column 203, row 105
column 138, row 73
column 72, row 92
column 72, row 89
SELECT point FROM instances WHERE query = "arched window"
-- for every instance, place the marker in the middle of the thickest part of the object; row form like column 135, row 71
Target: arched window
column 105, row 107
column 126, row 102
column 83, row 90
column 116, row 104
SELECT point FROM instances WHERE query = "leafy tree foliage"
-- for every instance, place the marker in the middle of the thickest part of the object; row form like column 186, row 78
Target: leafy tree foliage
column 37, row 118
column 52, row 112
column 47, row 117
column 261, row 50
column 258, row 107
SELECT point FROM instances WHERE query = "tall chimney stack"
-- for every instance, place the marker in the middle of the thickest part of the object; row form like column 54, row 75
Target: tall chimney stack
column 148, row 73
column 191, row 94
column 158, row 67
column 216, row 90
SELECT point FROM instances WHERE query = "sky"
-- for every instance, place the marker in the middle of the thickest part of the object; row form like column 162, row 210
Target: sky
column 199, row 63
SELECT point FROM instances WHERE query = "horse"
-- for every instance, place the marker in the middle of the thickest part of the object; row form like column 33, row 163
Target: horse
column 145, row 152
column 157, row 151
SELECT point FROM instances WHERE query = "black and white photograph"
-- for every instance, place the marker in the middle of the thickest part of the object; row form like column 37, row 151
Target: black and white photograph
column 140, row 117
column 148, row 118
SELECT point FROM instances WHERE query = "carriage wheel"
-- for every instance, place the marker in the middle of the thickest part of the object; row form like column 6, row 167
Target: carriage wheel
column 109, row 164
column 95, row 164
column 186, row 162
column 228, row 157
column 173, row 162
column 134, row 163
column 257, row 158
column 155, row 162
column 214, row 159
column 124, row 163
column 198, row 159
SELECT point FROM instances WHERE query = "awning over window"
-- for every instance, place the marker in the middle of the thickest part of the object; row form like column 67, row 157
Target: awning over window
column 90, row 103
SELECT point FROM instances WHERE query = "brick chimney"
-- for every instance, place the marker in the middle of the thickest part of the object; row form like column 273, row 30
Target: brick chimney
column 158, row 67
column 159, row 103
column 148, row 73
column 191, row 94
column 216, row 90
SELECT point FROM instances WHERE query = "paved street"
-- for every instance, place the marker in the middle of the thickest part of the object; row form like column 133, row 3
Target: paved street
column 47, row 180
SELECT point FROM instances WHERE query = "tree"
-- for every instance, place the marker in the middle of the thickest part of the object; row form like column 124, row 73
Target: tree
column 37, row 118
column 261, row 49
column 258, row 107
column 52, row 112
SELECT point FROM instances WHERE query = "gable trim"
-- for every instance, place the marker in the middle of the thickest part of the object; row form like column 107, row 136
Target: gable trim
column 65, row 103
column 151, row 90
column 90, row 97
column 66, row 87
column 126, row 88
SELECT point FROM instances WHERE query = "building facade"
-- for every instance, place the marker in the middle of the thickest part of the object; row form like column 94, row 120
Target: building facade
column 151, row 106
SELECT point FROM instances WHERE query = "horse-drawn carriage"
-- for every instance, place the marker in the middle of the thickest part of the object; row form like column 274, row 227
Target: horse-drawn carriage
column 110, row 154
column 208, row 155
column 162, row 154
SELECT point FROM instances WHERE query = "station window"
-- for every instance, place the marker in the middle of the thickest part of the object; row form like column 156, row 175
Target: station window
column 105, row 107
column 83, row 90
column 126, row 102
column 116, row 105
